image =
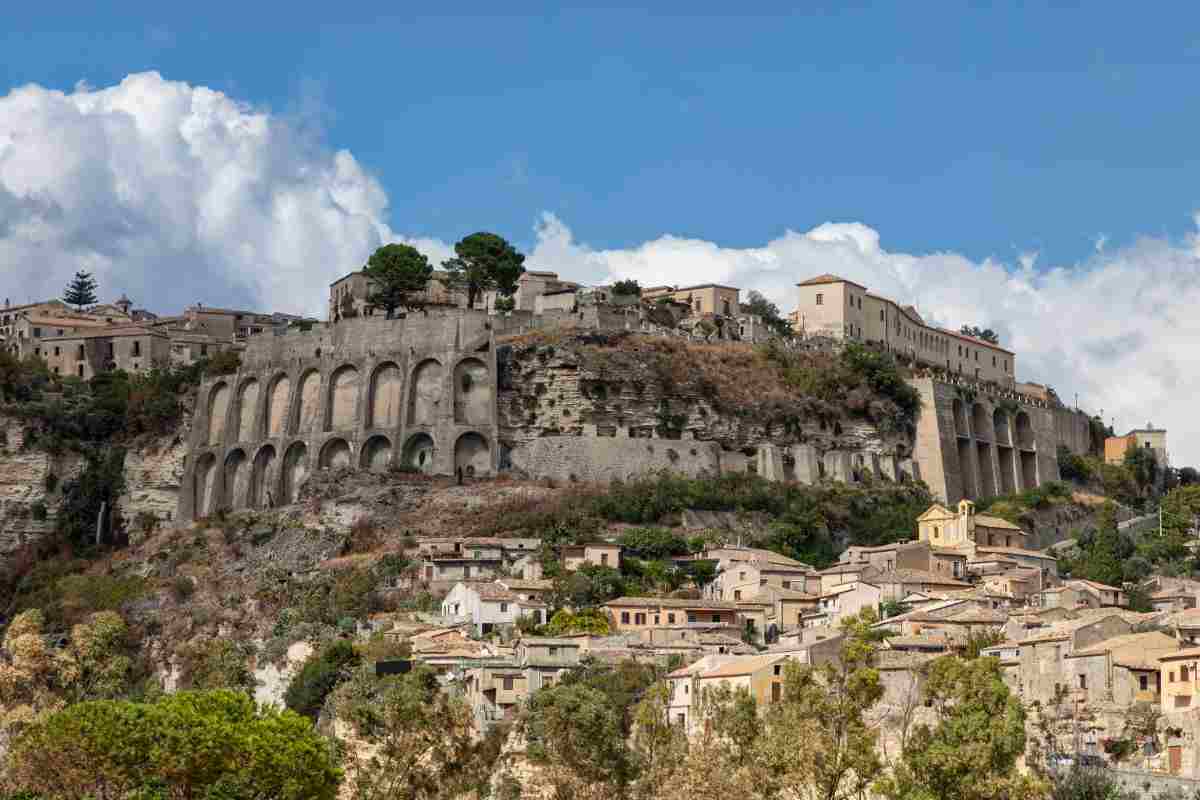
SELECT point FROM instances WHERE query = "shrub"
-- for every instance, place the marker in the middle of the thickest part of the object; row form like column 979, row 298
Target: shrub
column 320, row 675
column 182, row 588
column 38, row 511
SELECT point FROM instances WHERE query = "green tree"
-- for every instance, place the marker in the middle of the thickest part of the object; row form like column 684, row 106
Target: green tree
column 1103, row 560
column 757, row 303
column 972, row 751
column 396, row 272
column 81, row 291
column 986, row 334
column 627, row 287
column 659, row 745
column 565, row 623
column 575, row 736
column 818, row 743
column 482, row 262
column 1143, row 465
column 320, row 675
column 189, row 744
column 418, row 737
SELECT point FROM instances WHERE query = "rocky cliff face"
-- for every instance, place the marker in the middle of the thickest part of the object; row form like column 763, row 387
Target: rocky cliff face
column 31, row 482
column 593, row 386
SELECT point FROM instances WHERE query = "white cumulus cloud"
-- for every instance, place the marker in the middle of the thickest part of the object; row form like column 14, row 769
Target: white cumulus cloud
column 177, row 194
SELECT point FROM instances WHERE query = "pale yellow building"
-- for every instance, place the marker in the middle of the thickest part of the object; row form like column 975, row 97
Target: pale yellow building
column 966, row 530
column 833, row 306
column 705, row 298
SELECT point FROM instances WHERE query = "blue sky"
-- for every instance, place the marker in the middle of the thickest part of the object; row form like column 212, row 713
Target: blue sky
column 1033, row 171
column 989, row 133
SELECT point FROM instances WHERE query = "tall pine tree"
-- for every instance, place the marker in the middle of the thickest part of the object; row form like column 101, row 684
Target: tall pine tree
column 81, row 291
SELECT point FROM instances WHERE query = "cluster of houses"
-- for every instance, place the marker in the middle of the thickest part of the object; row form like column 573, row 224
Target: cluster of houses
column 1070, row 649
column 83, row 342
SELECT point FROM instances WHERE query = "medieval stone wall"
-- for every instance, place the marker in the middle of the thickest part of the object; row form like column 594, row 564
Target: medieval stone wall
column 569, row 458
column 417, row 393
column 975, row 440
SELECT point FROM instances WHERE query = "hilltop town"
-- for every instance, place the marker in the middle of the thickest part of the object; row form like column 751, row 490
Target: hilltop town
column 676, row 504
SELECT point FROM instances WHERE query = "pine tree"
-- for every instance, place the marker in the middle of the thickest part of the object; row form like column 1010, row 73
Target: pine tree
column 81, row 291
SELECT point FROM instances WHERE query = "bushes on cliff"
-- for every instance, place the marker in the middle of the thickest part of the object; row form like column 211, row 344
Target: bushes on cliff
column 94, row 490
column 319, row 676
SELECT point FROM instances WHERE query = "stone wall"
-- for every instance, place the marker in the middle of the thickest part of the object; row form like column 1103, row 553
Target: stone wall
column 590, row 459
column 415, row 393
column 977, row 440
column 23, row 487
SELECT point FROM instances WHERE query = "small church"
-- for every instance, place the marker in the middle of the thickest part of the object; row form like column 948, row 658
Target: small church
column 966, row 530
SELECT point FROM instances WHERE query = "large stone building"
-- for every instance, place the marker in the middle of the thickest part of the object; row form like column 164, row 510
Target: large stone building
column 842, row 309
column 705, row 298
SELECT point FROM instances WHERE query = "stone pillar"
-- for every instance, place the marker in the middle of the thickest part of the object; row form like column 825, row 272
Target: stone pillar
column 874, row 463
column 887, row 466
column 589, row 429
column 770, row 463
column 807, row 470
column 838, row 466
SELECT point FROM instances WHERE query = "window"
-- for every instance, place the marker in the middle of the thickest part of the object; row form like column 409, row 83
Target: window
column 1183, row 673
column 787, row 584
column 1143, row 682
column 203, row 349
column 639, row 619
column 881, row 315
column 79, row 369
column 671, row 618
column 37, row 333
column 691, row 616
column 553, row 651
column 737, row 595
column 504, row 608
column 716, row 617
column 742, row 575
column 778, row 669
column 137, row 349
column 1171, row 677
column 725, row 306
column 624, row 617
column 776, row 691
column 680, row 719
column 37, row 351
column 993, row 361
column 604, row 559
column 56, row 351
column 1083, row 681
column 508, row 684
column 820, row 299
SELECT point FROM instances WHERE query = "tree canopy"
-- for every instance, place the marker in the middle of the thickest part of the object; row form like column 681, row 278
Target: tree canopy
column 397, row 272
column 482, row 262
column 81, row 291
column 627, row 287
column 187, row 744
column 986, row 334
column 757, row 303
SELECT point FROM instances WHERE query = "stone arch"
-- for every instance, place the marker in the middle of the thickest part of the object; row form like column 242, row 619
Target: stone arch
column 981, row 423
column 343, row 399
column 218, row 407
column 1001, row 427
column 376, row 454
column 295, row 470
column 310, row 402
column 960, row 418
column 247, row 405
column 1024, row 427
column 335, row 455
column 418, row 452
column 425, row 393
column 472, row 455
column 386, row 396
column 472, row 393
column 275, row 415
column 205, row 485
column 260, row 494
column 235, row 479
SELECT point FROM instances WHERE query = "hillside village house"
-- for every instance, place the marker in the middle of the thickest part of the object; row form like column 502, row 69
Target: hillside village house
column 1120, row 670
column 598, row 554
column 842, row 309
column 640, row 613
column 496, row 689
column 706, row 298
column 760, row 675
column 1149, row 438
column 490, row 606
column 1044, row 668
column 741, row 571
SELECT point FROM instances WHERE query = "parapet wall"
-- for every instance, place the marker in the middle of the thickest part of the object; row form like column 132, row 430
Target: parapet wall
column 417, row 393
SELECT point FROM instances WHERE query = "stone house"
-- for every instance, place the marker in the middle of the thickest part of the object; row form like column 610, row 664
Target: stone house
column 841, row 309
column 1057, row 597
column 1178, row 680
column 917, row 555
column 489, row 606
column 1043, row 653
column 93, row 350
column 896, row 584
column 1119, row 671
column 1099, row 595
column 497, row 688
column 843, row 574
column 357, row 287
column 708, row 298
column 461, row 566
column 740, row 567
column 845, row 600
column 526, row 589
column 1008, row 653
column 599, row 554
column 533, row 287
column 528, row 567
column 760, row 675
column 640, row 613
column 786, row 607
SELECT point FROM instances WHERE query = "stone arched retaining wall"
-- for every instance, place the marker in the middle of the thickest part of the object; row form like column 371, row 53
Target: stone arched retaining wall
column 368, row 395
